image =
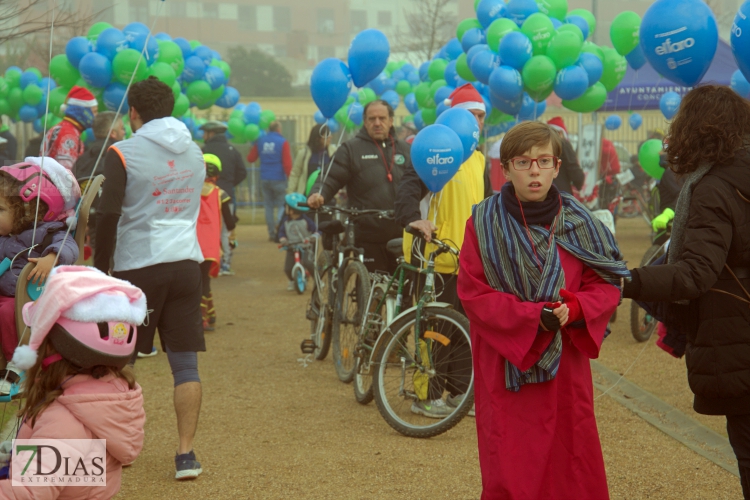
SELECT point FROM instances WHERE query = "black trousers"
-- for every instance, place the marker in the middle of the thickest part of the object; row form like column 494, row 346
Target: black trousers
column 738, row 428
column 206, row 277
column 377, row 257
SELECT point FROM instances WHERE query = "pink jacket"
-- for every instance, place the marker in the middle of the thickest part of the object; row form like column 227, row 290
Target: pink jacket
column 89, row 409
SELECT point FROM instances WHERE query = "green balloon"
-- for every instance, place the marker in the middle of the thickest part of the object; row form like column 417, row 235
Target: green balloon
column 391, row 67
column 466, row 25
column 62, row 72
column 539, row 29
column 625, row 32
column 429, row 116
column 564, row 49
column 176, row 89
column 194, row 44
column 235, row 125
column 237, row 113
column 95, row 29
column 15, row 99
column 588, row 16
column 590, row 101
column 462, row 68
column 199, row 92
column 366, row 96
column 224, row 66
column 422, row 94
column 215, row 94
column 32, row 94
column 572, row 28
column 434, row 86
column 553, row 8
column 163, row 72
column 538, row 74
column 36, row 72
column 127, row 62
column 342, row 114
column 252, row 132
column 266, row 117
column 497, row 30
column 4, row 107
column 403, row 87
column 615, row 67
column 593, row 48
column 436, row 70
column 57, row 98
column 171, row 53
column 648, row 157
column 13, row 77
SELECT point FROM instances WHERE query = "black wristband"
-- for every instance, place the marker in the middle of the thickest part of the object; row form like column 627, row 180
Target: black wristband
column 632, row 289
column 549, row 320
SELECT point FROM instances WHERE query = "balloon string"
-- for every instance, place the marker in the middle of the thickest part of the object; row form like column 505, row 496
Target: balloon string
column 338, row 144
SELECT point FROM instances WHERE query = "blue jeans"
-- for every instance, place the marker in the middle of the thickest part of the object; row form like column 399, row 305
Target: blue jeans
column 273, row 197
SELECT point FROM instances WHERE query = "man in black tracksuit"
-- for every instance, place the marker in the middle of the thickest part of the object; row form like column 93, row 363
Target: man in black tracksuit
column 370, row 166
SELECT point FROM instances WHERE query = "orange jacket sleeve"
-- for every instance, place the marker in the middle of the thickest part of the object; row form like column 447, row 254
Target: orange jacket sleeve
column 286, row 158
column 252, row 156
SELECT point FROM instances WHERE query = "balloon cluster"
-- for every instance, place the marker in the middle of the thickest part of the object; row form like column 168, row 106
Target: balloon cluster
column 249, row 122
column 23, row 97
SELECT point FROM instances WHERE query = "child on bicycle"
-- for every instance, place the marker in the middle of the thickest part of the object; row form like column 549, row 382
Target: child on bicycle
column 295, row 228
column 31, row 232
column 78, row 384
column 215, row 209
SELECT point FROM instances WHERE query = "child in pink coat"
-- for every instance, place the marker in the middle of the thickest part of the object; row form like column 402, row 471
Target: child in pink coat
column 78, row 385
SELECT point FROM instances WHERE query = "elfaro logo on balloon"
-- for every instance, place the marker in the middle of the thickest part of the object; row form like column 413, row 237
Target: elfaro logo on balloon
column 669, row 48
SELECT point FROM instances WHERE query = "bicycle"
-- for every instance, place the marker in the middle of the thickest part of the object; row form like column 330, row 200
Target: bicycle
column 411, row 358
column 299, row 273
column 642, row 324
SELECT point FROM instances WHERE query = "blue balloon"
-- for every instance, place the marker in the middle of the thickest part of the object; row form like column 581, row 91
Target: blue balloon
column 332, row 126
column 408, row 68
column 441, row 108
column 476, row 49
column 355, row 113
column 453, row 49
column 184, row 45
column 424, row 71
column 442, row 54
column 215, row 77
column 398, row 75
column 76, row 48
column 216, row 55
column 28, row 78
column 490, row 10
column 410, row 101
column 418, row 120
column 330, row 85
column 251, row 113
column 613, row 122
column 28, row 113
column 581, row 23
column 354, row 95
column 556, row 23
column 194, row 69
column 571, row 82
column 114, row 94
column 463, row 123
column 47, row 81
column 669, row 104
column 163, row 36
column 41, row 108
column 483, row 64
column 413, row 79
column 442, row 94
column 519, row 10
column 473, row 36
column 133, row 30
column 510, row 107
column 530, row 109
column 506, row 82
column 389, row 84
column 592, row 65
column 96, row 69
column 13, row 68
column 318, row 117
column 679, row 38
column 110, row 42
column 240, row 107
column 204, row 53
column 89, row 135
column 636, row 58
column 741, row 44
column 740, row 84
column 392, row 98
column 229, row 98
column 368, row 56
column 451, row 75
column 37, row 126
column 152, row 47
column 635, row 121
column 378, row 84
column 437, row 154
column 515, row 50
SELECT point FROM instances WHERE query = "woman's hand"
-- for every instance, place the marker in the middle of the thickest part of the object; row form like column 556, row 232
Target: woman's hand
column 42, row 268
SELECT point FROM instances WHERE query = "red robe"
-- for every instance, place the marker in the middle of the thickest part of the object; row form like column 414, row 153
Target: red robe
column 541, row 442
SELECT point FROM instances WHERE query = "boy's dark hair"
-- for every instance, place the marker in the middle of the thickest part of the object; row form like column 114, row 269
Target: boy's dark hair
column 23, row 213
column 151, row 98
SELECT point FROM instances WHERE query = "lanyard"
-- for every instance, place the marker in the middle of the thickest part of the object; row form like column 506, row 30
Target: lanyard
column 388, row 168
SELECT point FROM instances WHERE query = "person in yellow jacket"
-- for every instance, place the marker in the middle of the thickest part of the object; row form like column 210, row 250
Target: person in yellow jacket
column 445, row 214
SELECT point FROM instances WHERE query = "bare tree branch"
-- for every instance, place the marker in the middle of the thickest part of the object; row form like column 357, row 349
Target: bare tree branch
column 430, row 24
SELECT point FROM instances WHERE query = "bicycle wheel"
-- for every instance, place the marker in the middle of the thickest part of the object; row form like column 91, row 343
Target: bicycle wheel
column 642, row 324
column 402, row 378
column 377, row 318
column 347, row 317
column 319, row 310
column 300, row 281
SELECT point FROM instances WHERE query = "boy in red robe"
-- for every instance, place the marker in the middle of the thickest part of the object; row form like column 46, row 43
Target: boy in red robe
column 539, row 280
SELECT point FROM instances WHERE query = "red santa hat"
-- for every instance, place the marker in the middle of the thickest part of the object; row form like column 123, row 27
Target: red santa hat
column 79, row 96
column 558, row 124
column 466, row 97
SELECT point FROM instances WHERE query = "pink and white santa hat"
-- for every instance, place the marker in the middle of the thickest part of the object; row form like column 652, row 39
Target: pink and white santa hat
column 466, row 97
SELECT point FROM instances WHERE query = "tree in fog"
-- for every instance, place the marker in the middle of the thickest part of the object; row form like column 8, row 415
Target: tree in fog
column 257, row 74
column 430, row 24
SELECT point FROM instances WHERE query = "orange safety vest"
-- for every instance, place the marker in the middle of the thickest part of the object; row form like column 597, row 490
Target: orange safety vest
column 209, row 226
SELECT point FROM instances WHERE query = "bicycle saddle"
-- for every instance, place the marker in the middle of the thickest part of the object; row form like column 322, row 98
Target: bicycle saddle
column 332, row 227
column 395, row 247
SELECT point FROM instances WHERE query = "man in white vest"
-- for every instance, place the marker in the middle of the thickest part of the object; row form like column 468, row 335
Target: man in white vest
column 150, row 203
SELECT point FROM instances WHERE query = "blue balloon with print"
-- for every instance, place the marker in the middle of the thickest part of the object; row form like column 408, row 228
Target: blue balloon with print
column 398, row 75
column 389, row 84
column 476, row 49
column 319, row 118
column 581, row 23
column 96, row 69
column 76, row 48
column 506, row 82
column 150, row 43
column 355, row 113
column 215, row 77
column 330, row 85
column 463, row 123
column 46, row 82
column 453, row 49
column 391, row 97
column 635, row 121
column 114, row 94
column 571, row 82
column 520, row 10
column 28, row 78
column 669, row 104
column 204, row 53
column 194, row 69
column 530, row 109
column 592, row 65
column 185, row 47
column 133, row 30
column 740, row 84
column 163, row 36
column 28, row 113
column 437, row 154
column 110, row 42
column 410, row 101
column 508, row 106
column 636, row 58
column 483, row 64
column 451, row 75
column 251, row 113
column 229, row 98
column 613, row 122
column 679, row 39
column 368, row 56
column 740, row 39
column 515, row 50
column 423, row 71
column 418, row 120
column 442, row 94
column 473, row 36
column 491, row 10
column 441, row 108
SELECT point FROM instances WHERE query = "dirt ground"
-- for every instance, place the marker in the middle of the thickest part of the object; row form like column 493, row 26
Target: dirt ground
column 271, row 428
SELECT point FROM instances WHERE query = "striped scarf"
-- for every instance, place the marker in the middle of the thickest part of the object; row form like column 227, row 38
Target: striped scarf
column 511, row 266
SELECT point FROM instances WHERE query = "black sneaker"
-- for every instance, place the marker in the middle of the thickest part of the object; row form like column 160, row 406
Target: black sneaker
column 186, row 466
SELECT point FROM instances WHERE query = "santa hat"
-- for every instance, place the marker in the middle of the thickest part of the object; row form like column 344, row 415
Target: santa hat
column 558, row 124
column 82, row 294
column 79, row 96
column 64, row 181
column 466, row 97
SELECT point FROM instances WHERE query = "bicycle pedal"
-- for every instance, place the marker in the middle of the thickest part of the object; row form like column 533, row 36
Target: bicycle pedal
column 308, row 346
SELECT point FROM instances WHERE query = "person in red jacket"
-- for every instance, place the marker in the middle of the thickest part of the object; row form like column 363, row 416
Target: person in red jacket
column 63, row 141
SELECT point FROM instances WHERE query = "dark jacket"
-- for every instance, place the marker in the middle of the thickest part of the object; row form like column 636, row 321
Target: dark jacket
column 232, row 165
column 717, row 325
column 84, row 166
column 571, row 173
column 360, row 167
column 669, row 190
column 12, row 147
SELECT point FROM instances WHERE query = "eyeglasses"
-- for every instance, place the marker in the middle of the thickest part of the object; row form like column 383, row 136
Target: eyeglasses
column 524, row 162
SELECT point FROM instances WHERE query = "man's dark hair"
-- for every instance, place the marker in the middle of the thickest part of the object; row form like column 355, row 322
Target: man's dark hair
column 151, row 98
column 379, row 101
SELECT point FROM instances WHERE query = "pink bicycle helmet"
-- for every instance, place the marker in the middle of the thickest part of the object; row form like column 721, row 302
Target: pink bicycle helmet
column 37, row 183
column 87, row 345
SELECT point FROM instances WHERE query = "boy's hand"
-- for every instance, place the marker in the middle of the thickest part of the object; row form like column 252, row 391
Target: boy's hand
column 283, row 241
column 42, row 268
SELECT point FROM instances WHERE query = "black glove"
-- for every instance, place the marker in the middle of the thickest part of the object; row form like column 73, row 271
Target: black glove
column 549, row 320
column 632, row 288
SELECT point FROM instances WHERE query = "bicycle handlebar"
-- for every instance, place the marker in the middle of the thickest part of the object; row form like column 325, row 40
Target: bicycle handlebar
column 354, row 212
column 442, row 246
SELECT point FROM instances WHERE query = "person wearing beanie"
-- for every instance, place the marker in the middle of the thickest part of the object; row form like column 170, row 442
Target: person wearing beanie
column 83, row 328
column 571, row 174
column 63, row 141
column 446, row 214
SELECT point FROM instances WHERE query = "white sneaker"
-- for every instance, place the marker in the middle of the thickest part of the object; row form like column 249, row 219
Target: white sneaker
column 153, row 352
column 432, row 409
column 454, row 401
